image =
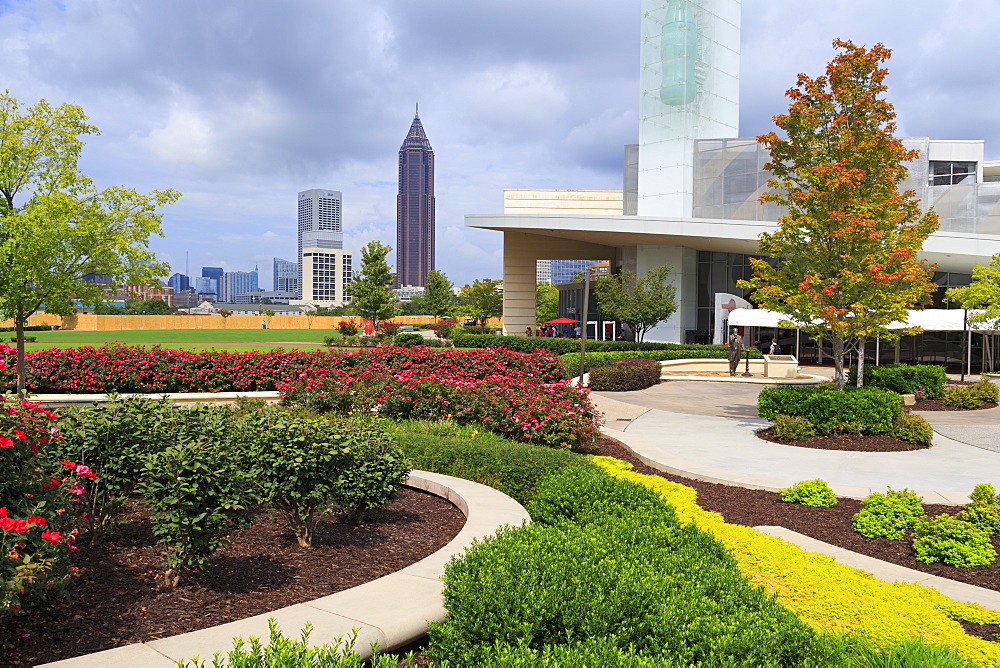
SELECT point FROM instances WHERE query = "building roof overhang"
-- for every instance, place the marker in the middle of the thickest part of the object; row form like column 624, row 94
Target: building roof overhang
column 950, row 251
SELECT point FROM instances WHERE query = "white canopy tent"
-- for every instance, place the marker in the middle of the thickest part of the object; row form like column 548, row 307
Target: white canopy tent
column 930, row 320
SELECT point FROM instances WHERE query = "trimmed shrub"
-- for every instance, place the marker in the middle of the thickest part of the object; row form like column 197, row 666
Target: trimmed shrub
column 984, row 511
column 377, row 470
column 513, row 468
column 814, row 493
column 408, row 339
column 198, row 493
column 923, row 380
column 986, row 390
column 792, row 428
column 867, row 411
column 625, row 376
column 962, row 396
column 564, row 346
column 636, row 580
column 953, row 541
column 888, row 515
column 913, row 429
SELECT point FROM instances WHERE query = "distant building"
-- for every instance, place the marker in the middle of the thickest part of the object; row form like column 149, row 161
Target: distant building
column 249, row 309
column 286, row 276
column 179, row 282
column 234, row 283
column 415, row 208
column 326, row 275
column 265, row 297
column 407, row 292
column 205, row 285
column 212, row 272
column 319, row 222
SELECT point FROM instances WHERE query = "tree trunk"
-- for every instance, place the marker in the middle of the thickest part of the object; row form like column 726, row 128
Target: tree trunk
column 861, row 361
column 21, row 375
column 838, row 361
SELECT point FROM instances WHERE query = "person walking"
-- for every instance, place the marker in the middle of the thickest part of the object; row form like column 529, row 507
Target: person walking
column 774, row 348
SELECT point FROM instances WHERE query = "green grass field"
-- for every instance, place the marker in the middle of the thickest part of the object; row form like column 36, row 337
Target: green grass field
column 233, row 340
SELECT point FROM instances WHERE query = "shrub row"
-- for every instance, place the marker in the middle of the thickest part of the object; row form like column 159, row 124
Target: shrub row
column 971, row 396
column 923, row 380
column 625, row 375
column 521, row 404
column 200, row 468
column 571, row 361
column 563, row 346
column 608, row 561
column 153, row 369
column 865, row 411
column 31, row 328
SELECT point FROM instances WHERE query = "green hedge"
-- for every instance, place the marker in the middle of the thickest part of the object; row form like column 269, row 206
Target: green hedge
column 868, row 411
column 31, row 328
column 592, row 360
column 563, row 346
column 513, row 468
column 625, row 376
column 612, row 564
column 903, row 378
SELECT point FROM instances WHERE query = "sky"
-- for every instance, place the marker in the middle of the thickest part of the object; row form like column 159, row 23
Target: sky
column 241, row 104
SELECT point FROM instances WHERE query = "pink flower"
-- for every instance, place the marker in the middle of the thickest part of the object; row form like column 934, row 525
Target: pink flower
column 77, row 488
column 6, row 442
column 52, row 536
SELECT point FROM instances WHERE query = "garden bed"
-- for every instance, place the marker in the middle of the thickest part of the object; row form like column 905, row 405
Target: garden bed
column 750, row 507
column 116, row 600
column 938, row 405
column 848, row 442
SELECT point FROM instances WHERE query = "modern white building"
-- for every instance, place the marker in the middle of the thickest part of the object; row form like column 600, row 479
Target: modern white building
column 691, row 187
column 326, row 275
column 319, row 222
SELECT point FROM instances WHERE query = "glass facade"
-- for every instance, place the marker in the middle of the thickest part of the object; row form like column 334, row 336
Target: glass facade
column 415, row 208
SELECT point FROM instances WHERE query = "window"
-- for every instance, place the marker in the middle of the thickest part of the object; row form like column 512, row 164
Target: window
column 946, row 173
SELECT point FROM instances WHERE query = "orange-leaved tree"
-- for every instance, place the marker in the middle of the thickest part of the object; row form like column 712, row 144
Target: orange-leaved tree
column 845, row 258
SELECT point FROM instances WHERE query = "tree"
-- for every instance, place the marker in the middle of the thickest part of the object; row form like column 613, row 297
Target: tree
column 982, row 293
column 640, row 303
column 845, row 256
column 438, row 299
column 134, row 306
column 546, row 302
column 63, row 229
column 371, row 296
column 482, row 300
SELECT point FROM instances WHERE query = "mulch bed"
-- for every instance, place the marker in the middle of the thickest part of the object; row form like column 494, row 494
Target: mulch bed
column 750, row 507
column 872, row 443
column 117, row 600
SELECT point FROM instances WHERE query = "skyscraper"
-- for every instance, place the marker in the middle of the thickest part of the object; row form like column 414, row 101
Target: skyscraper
column 319, row 222
column 286, row 276
column 415, row 208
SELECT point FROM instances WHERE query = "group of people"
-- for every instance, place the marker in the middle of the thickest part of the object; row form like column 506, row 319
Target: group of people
column 551, row 330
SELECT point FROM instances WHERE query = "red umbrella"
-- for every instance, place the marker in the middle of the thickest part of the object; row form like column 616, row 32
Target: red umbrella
column 560, row 321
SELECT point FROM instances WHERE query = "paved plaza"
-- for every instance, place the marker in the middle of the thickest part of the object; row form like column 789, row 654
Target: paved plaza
column 705, row 431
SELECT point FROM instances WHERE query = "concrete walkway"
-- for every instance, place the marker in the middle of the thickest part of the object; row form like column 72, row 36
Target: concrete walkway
column 705, row 431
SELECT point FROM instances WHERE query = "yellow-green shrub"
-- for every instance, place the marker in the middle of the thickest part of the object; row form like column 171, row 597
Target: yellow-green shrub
column 827, row 595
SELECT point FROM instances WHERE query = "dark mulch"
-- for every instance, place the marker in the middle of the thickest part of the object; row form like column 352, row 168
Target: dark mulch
column 990, row 632
column 117, row 600
column 938, row 405
column 872, row 443
column 750, row 507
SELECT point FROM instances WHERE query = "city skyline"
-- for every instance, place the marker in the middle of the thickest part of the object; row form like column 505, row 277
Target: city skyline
column 514, row 94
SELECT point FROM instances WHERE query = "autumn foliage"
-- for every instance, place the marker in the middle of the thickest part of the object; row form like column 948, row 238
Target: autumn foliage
column 847, row 262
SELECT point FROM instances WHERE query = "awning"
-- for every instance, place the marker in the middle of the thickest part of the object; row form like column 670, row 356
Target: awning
column 930, row 320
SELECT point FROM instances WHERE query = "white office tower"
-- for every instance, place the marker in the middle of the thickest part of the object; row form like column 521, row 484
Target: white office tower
column 326, row 277
column 319, row 219
column 689, row 88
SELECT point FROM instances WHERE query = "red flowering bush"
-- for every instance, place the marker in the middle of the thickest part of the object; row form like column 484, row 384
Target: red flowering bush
column 442, row 330
column 389, row 328
column 36, row 532
column 347, row 328
column 517, row 395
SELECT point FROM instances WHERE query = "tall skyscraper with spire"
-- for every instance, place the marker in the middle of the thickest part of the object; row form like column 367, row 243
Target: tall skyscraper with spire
column 415, row 207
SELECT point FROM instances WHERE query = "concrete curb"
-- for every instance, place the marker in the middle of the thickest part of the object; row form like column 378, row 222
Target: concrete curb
column 392, row 610
column 887, row 572
column 181, row 398
column 650, row 456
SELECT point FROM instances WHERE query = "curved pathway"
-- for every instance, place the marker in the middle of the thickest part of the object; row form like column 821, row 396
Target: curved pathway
column 706, row 431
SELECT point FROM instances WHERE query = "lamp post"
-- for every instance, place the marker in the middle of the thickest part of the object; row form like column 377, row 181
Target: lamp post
column 583, row 329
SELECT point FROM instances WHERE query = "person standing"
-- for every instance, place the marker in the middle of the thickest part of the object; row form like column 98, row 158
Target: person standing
column 774, row 348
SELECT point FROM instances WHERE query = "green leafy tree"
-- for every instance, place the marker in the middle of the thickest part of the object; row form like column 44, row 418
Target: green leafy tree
column 438, row 299
column 371, row 294
column 546, row 302
column 982, row 293
column 845, row 255
column 640, row 303
column 55, row 227
column 482, row 300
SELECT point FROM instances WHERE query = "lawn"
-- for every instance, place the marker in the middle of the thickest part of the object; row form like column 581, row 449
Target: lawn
column 200, row 337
